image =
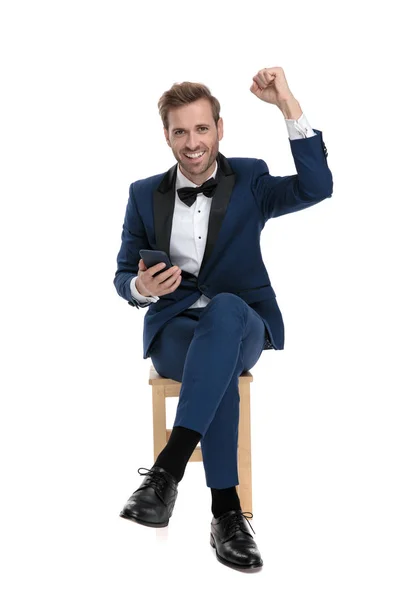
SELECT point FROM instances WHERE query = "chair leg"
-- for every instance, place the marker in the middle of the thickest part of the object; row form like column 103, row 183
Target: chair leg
column 244, row 489
column 159, row 420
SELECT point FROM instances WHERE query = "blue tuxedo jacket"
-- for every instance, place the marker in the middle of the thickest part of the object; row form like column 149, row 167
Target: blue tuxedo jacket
column 246, row 197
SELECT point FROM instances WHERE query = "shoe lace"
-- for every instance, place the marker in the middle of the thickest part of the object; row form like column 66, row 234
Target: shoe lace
column 235, row 522
column 157, row 479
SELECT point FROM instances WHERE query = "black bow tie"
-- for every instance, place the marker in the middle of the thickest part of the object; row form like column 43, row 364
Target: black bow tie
column 188, row 194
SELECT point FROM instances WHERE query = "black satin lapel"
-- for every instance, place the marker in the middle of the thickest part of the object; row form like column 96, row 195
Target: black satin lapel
column 163, row 209
column 219, row 204
column 164, row 204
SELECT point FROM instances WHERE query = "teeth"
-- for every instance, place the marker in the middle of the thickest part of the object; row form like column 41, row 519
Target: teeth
column 195, row 155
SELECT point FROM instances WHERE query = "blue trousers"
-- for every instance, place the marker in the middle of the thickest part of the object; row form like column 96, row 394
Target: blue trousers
column 207, row 349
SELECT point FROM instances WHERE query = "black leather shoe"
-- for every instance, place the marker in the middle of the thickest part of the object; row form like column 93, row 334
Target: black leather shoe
column 153, row 502
column 233, row 542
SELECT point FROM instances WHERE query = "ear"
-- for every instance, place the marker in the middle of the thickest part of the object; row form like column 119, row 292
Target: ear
column 220, row 129
column 166, row 137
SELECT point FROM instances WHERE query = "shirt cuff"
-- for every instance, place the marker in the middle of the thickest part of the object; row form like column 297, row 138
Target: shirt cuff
column 139, row 297
column 300, row 128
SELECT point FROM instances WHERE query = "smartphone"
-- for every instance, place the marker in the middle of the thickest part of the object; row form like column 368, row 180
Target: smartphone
column 153, row 257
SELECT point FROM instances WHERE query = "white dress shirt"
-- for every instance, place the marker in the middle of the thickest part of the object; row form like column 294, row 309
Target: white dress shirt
column 190, row 224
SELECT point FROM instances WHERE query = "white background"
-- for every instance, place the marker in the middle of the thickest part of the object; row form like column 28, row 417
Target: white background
column 79, row 123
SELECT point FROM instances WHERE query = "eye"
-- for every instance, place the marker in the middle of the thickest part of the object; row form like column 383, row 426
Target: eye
column 179, row 130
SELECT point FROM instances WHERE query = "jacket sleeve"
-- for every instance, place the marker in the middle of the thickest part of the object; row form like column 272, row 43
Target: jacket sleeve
column 133, row 239
column 280, row 195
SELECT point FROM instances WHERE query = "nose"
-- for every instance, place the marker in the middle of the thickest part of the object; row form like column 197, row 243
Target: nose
column 192, row 143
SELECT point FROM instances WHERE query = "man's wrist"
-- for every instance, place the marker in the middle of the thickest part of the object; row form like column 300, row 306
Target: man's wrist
column 137, row 285
column 290, row 108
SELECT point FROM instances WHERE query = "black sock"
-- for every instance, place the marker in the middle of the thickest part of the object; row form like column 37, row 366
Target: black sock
column 224, row 500
column 174, row 457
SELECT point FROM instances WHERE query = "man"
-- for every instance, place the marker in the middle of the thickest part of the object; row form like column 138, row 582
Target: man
column 213, row 313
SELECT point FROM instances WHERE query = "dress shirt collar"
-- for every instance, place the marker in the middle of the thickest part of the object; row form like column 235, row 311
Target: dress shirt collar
column 182, row 181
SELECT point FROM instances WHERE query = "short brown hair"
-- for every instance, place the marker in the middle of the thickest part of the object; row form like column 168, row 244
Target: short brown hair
column 184, row 93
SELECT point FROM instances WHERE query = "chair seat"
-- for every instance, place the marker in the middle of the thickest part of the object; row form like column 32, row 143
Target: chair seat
column 156, row 379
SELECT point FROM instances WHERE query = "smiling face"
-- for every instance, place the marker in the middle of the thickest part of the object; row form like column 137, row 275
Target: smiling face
column 192, row 130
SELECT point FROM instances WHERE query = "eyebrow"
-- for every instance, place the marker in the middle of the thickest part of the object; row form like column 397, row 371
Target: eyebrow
column 183, row 129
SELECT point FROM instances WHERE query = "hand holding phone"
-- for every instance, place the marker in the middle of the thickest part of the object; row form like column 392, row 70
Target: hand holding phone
column 153, row 278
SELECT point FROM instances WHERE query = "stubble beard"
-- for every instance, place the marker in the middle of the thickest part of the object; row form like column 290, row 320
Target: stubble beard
column 185, row 167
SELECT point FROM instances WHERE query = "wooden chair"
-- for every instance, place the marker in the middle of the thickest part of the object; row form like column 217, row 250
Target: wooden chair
column 163, row 388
